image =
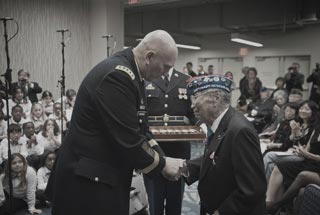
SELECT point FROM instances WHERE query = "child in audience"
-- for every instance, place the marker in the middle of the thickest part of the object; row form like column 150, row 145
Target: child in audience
column 43, row 174
column 57, row 116
column 24, row 181
column 34, row 149
column 15, row 143
column 50, row 136
column 47, row 102
column 17, row 113
column 3, row 126
column 37, row 116
column 19, row 98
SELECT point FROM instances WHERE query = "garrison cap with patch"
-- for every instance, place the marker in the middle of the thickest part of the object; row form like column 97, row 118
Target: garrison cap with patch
column 202, row 83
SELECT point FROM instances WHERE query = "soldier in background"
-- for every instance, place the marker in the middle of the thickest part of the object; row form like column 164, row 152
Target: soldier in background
column 168, row 105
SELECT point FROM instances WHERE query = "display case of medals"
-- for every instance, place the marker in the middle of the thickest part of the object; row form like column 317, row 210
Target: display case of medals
column 177, row 133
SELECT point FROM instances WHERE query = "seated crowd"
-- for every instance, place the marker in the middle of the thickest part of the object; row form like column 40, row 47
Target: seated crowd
column 35, row 137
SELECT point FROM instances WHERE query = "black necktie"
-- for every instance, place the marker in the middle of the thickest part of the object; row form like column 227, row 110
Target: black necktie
column 166, row 80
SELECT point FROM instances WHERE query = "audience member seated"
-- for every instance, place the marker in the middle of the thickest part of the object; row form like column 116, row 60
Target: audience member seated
column 37, row 116
column 251, row 86
column 16, row 145
column 285, row 174
column 210, row 70
column 3, row 126
column 280, row 82
column 50, row 137
column 281, row 98
column 47, row 102
column 301, row 133
column 29, row 88
column 56, row 115
column 295, row 96
column 24, row 181
column 261, row 110
column 294, row 79
column 68, row 102
column 17, row 113
column 18, row 98
column 277, row 140
column 34, row 149
column 43, row 174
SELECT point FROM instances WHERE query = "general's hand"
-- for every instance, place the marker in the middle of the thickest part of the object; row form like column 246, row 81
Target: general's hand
column 35, row 211
column 173, row 168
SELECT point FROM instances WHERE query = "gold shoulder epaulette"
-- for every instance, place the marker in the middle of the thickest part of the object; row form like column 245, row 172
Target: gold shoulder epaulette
column 126, row 70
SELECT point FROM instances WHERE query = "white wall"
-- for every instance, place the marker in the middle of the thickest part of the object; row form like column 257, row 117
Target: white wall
column 37, row 47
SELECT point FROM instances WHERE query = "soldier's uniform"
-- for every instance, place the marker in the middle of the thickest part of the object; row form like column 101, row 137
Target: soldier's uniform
column 107, row 139
column 168, row 106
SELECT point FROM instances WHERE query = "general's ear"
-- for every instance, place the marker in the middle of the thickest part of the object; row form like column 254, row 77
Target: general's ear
column 149, row 56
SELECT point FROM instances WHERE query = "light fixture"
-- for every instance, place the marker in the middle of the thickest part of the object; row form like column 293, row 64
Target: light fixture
column 182, row 46
column 239, row 38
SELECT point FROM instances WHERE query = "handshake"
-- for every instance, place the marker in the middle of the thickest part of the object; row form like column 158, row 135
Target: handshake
column 175, row 168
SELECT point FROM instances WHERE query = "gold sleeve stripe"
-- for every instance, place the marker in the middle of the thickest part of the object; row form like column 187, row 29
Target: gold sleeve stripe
column 153, row 165
column 152, row 142
column 126, row 70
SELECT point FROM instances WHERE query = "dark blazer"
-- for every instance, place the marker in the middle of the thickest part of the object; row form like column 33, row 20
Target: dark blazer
column 106, row 140
column 233, row 182
column 172, row 101
column 32, row 92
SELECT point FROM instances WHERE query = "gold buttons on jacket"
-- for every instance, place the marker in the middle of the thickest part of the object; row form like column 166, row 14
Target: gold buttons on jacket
column 166, row 96
column 165, row 105
column 96, row 179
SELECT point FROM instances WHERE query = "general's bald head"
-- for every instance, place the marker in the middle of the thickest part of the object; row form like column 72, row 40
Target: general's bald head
column 156, row 54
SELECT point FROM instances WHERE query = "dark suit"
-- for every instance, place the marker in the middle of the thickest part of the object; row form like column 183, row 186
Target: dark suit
column 106, row 140
column 173, row 101
column 31, row 92
column 233, row 182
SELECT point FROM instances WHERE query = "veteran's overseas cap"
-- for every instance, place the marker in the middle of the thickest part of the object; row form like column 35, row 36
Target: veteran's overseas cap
column 202, row 83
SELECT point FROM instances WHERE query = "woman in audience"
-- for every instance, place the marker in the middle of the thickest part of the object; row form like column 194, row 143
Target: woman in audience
column 50, row 136
column 24, row 181
column 47, row 102
column 37, row 116
column 280, row 82
column 43, row 174
column 281, row 98
column 285, row 175
column 251, row 86
column 19, row 98
column 301, row 131
column 277, row 140
column 34, row 149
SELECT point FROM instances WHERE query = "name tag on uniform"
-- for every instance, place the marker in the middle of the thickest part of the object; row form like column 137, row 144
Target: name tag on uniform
column 150, row 87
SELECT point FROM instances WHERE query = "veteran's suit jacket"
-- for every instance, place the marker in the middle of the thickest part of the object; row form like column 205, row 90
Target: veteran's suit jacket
column 106, row 140
column 233, row 182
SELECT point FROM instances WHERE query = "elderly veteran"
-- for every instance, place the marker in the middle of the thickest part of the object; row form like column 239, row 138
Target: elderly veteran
column 230, row 173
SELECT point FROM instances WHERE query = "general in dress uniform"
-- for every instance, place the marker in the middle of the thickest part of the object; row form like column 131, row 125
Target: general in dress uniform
column 168, row 105
column 108, row 136
column 231, row 172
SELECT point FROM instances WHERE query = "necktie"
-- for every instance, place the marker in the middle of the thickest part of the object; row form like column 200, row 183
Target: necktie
column 166, row 79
